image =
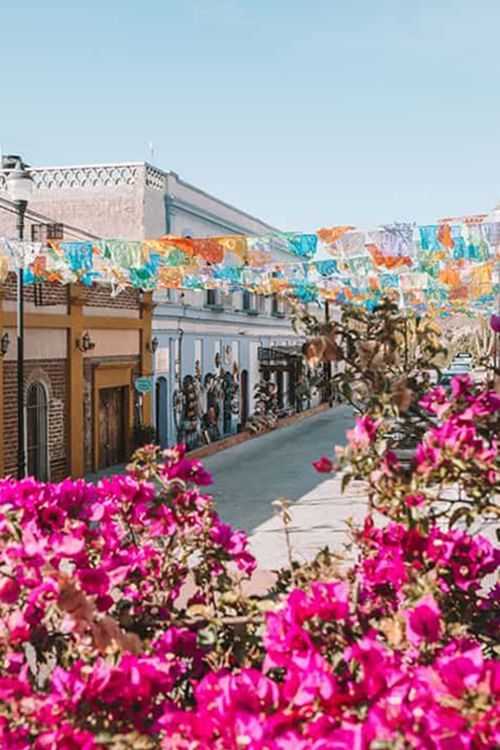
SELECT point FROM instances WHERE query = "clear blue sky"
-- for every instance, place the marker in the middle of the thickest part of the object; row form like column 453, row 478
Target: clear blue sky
column 306, row 113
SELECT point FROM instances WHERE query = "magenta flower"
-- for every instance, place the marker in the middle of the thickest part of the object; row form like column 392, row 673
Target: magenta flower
column 424, row 621
column 94, row 581
column 364, row 432
column 189, row 471
column 462, row 669
column 323, row 465
column 495, row 323
column 9, row 591
column 415, row 501
column 436, row 402
column 461, row 385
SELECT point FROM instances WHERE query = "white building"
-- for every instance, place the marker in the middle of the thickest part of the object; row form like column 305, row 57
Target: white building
column 207, row 360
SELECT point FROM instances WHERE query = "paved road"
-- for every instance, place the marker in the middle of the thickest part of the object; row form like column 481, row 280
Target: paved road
column 248, row 477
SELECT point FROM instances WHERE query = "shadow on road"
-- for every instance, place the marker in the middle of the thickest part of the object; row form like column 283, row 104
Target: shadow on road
column 248, row 477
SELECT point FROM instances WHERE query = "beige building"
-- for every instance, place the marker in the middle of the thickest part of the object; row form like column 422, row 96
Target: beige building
column 198, row 332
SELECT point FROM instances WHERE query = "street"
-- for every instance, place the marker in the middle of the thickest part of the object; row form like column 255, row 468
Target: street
column 248, row 477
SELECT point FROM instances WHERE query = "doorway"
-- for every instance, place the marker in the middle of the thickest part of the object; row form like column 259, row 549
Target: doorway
column 37, row 432
column 111, row 426
column 161, row 411
column 244, row 404
column 280, row 387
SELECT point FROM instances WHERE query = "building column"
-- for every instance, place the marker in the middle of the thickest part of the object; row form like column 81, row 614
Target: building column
column 76, row 426
column 146, row 356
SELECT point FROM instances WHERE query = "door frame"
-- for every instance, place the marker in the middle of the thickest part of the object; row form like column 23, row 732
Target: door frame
column 113, row 375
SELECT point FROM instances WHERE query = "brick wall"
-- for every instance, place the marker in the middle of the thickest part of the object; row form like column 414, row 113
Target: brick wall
column 53, row 375
column 51, row 294
column 99, row 295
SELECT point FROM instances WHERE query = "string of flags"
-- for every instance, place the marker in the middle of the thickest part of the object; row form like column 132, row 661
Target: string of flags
column 446, row 266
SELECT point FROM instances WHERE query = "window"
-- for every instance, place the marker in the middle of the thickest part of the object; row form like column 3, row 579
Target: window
column 45, row 232
column 213, row 298
column 37, row 432
column 247, row 300
column 250, row 303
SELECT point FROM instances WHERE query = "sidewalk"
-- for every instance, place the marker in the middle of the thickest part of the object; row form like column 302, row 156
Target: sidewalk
column 319, row 519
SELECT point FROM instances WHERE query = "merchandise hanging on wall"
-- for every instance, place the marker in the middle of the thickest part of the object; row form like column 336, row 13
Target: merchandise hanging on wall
column 444, row 267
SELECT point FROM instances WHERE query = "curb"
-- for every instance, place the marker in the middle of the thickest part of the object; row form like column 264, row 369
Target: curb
column 243, row 437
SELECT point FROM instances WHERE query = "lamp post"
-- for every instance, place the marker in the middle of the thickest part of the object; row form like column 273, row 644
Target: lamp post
column 19, row 187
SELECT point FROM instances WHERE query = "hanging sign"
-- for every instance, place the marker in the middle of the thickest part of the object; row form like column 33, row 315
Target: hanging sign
column 144, row 384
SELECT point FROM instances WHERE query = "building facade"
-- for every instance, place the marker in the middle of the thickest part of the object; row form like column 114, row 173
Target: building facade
column 80, row 406
column 212, row 348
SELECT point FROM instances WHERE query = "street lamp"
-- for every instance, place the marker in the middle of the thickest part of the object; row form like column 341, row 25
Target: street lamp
column 19, row 188
column 152, row 345
column 4, row 344
column 85, row 344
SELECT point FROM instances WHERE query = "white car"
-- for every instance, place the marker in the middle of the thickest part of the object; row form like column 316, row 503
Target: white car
column 457, row 367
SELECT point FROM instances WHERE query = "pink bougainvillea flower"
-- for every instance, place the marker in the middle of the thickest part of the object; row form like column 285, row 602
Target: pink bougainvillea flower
column 9, row 591
column 364, row 432
column 424, row 621
column 495, row 323
column 94, row 581
column 189, row 471
column 461, row 385
column 436, row 401
column 415, row 501
column 323, row 465
column 461, row 668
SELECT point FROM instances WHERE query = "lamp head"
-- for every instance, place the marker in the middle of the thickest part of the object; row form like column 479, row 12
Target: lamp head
column 4, row 343
column 19, row 180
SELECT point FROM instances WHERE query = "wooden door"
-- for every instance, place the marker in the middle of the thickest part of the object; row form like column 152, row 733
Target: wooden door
column 111, row 427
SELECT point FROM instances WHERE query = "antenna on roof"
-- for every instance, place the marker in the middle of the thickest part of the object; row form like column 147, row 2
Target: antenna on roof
column 151, row 152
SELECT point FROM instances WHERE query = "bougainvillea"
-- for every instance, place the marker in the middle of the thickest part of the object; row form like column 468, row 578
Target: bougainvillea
column 124, row 623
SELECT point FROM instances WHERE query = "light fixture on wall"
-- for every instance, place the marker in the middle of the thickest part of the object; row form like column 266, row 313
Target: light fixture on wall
column 152, row 345
column 85, row 344
column 4, row 344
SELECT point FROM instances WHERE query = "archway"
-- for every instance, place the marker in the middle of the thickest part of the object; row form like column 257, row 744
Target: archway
column 37, row 431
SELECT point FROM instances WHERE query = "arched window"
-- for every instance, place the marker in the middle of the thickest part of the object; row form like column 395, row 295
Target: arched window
column 37, row 432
